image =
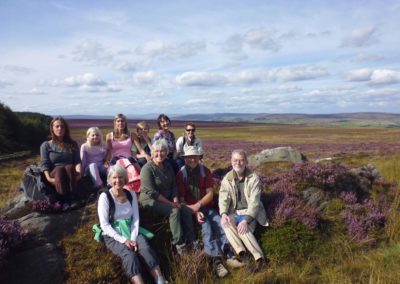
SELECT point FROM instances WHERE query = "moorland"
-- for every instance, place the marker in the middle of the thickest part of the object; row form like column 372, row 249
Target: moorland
column 353, row 238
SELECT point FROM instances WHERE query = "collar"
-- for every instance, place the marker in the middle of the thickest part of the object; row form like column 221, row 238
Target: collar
column 231, row 176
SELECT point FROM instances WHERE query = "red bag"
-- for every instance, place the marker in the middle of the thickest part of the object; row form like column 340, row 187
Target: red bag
column 133, row 171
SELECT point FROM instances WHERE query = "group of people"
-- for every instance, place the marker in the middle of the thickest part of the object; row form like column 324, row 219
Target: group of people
column 175, row 184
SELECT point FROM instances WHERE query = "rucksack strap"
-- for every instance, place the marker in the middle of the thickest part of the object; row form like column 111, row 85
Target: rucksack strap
column 111, row 203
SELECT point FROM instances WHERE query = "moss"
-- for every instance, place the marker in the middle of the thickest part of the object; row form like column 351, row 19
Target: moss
column 292, row 241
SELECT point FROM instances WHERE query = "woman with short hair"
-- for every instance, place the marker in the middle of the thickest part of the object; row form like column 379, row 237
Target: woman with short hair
column 159, row 193
column 121, row 234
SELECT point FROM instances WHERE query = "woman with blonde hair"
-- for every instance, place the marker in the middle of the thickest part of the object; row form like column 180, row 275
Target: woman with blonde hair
column 93, row 156
column 142, row 130
column 120, row 141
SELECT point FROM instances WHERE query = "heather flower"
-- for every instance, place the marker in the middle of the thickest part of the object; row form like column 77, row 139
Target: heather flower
column 11, row 235
column 45, row 206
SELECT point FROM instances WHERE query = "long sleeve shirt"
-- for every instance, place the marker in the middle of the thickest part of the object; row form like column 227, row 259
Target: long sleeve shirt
column 122, row 211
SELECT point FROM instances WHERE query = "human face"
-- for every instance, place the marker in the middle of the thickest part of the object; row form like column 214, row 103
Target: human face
column 238, row 163
column 143, row 132
column 164, row 124
column 192, row 161
column 190, row 131
column 117, row 181
column 120, row 123
column 94, row 138
column 159, row 155
column 58, row 129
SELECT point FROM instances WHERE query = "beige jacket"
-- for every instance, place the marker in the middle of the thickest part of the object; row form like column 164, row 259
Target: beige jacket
column 227, row 200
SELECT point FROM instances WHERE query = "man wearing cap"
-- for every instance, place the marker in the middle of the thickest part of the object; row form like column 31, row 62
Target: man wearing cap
column 240, row 208
column 195, row 185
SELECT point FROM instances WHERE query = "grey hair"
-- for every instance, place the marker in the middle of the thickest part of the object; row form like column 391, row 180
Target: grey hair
column 118, row 170
column 160, row 144
column 240, row 152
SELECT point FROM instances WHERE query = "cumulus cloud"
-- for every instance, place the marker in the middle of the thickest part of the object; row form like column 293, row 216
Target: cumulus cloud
column 36, row 91
column 299, row 73
column 359, row 75
column 361, row 37
column 203, row 79
column 262, row 39
column 85, row 80
column 93, row 52
column 18, row 69
column 143, row 78
column 161, row 49
column 378, row 76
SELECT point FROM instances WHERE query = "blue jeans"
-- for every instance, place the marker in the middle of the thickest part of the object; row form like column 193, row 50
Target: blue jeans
column 214, row 238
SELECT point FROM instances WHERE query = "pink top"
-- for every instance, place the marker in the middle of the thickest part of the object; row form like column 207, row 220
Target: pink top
column 121, row 148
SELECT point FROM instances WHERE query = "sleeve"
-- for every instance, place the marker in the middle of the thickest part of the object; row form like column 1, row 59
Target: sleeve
column 148, row 186
column 254, row 197
column 179, row 145
column 45, row 163
column 103, row 208
column 84, row 157
column 224, row 198
column 135, row 217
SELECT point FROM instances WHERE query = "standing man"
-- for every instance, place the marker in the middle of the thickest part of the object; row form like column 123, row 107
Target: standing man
column 195, row 185
column 240, row 208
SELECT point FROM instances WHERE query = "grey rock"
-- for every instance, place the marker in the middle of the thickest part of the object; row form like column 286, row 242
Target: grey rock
column 316, row 198
column 279, row 154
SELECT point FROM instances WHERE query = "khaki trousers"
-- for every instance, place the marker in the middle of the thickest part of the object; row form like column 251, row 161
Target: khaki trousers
column 241, row 242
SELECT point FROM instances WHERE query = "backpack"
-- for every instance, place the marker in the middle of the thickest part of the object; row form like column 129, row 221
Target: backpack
column 96, row 227
column 34, row 185
column 133, row 171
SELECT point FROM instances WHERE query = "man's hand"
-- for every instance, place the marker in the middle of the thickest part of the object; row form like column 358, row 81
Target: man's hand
column 242, row 227
column 225, row 221
column 132, row 245
column 200, row 217
column 195, row 207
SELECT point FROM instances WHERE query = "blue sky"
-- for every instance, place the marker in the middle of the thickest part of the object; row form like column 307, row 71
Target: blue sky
column 180, row 57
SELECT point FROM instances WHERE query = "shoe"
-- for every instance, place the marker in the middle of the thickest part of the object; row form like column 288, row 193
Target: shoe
column 181, row 249
column 234, row 262
column 258, row 266
column 220, row 270
column 65, row 207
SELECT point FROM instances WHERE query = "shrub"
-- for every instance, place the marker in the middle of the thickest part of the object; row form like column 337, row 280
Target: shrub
column 291, row 241
column 11, row 235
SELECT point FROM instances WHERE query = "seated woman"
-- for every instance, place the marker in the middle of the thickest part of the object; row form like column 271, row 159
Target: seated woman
column 164, row 123
column 159, row 193
column 120, row 141
column 188, row 139
column 93, row 156
column 142, row 130
column 61, row 163
column 121, row 234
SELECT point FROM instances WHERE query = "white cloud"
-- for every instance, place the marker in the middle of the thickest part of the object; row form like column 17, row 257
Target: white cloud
column 161, row 49
column 378, row 76
column 203, row 79
column 142, row 78
column 385, row 76
column 36, row 91
column 361, row 37
column 87, row 79
column 93, row 52
column 262, row 39
column 359, row 75
column 299, row 73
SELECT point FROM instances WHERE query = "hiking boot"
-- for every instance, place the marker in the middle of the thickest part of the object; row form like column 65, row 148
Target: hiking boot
column 220, row 270
column 234, row 262
column 258, row 266
column 181, row 249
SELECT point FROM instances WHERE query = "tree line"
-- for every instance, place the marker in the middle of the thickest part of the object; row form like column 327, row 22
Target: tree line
column 21, row 130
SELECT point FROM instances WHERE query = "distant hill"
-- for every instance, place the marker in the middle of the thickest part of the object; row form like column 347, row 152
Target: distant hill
column 359, row 119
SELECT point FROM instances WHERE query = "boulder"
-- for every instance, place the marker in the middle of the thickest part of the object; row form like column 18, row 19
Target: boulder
column 42, row 264
column 280, row 154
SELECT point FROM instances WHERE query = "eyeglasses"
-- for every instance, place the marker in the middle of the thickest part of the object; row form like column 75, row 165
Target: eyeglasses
column 190, row 130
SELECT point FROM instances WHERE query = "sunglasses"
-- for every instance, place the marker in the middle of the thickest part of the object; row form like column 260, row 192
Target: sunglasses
column 190, row 130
